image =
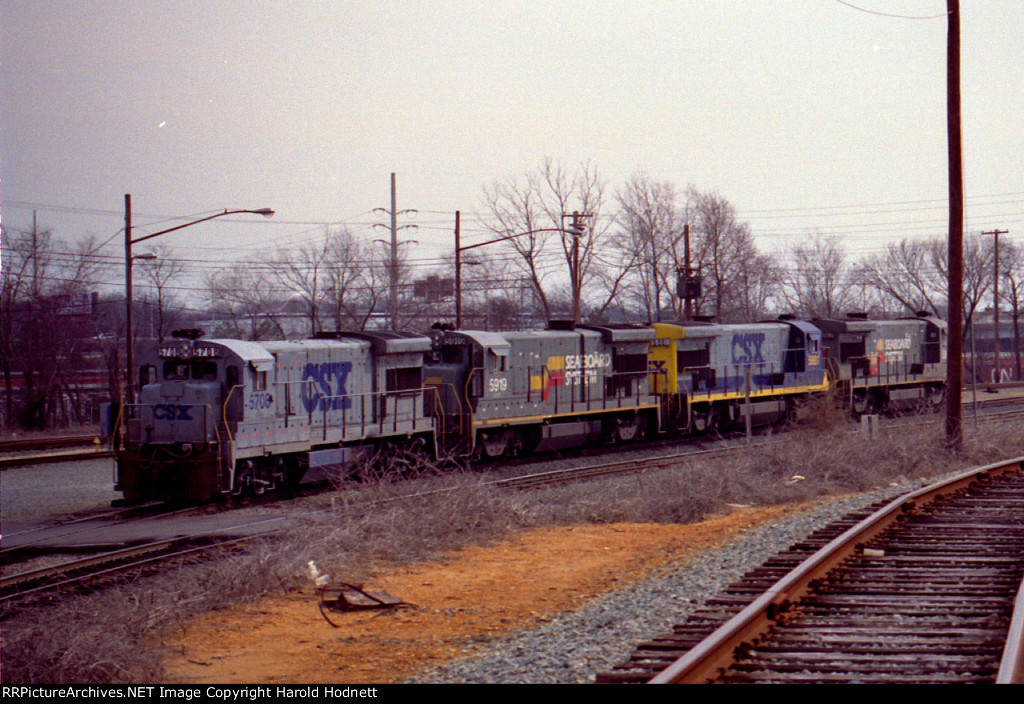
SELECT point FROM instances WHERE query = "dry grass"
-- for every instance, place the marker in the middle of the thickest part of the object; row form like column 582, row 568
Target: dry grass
column 115, row 635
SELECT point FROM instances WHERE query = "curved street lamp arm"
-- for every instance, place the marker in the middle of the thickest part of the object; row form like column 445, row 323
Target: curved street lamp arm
column 265, row 212
column 518, row 234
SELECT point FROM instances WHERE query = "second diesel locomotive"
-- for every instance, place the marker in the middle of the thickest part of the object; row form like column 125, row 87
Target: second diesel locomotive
column 513, row 392
column 218, row 417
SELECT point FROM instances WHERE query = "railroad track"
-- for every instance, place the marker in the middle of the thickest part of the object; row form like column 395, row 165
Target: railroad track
column 32, row 444
column 925, row 589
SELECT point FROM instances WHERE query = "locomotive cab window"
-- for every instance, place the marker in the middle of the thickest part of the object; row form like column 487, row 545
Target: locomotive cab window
column 204, row 370
column 453, row 355
column 197, row 369
column 147, row 375
column 688, row 360
column 404, row 378
column 851, row 348
column 626, row 368
column 498, row 360
column 175, row 370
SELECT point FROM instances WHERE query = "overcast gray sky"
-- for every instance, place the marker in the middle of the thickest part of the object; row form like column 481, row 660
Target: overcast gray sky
column 808, row 115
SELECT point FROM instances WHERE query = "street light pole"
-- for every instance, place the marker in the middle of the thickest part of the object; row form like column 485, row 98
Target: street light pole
column 128, row 258
column 576, row 230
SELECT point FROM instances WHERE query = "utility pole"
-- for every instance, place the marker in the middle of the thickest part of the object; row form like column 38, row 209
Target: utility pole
column 393, row 265
column 394, row 258
column 954, row 366
column 458, row 271
column 997, row 232
column 576, row 229
column 688, row 301
column 129, row 351
column 35, row 259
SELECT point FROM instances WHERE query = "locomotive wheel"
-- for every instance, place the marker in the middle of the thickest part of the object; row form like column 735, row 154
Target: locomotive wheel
column 936, row 398
column 860, row 403
column 244, row 479
column 495, row 444
column 703, row 419
column 627, row 429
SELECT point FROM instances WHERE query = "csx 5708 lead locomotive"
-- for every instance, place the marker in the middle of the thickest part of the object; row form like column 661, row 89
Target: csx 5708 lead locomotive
column 230, row 416
column 219, row 417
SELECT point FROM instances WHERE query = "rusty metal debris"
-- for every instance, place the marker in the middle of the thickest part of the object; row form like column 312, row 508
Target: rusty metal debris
column 350, row 597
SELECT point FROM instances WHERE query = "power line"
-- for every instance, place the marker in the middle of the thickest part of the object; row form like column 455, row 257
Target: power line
column 886, row 14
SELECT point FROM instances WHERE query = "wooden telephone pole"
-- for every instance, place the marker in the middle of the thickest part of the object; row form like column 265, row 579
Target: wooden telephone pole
column 954, row 366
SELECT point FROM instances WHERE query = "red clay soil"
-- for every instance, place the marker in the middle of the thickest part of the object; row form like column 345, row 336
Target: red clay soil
column 464, row 600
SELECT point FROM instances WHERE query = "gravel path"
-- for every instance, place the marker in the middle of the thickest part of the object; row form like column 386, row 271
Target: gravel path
column 37, row 493
column 574, row 646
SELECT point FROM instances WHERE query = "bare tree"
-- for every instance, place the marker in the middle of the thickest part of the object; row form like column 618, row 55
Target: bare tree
column 907, row 272
column 48, row 327
column 758, row 288
column 161, row 274
column 351, row 291
column 530, row 212
column 240, row 294
column 978, row 276
column 651, row 223
column 304, row 271
column 724, row 250
column 916, row 274
column 818, row 281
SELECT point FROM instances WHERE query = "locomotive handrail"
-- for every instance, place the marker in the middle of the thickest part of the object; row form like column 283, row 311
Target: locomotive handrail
column 227, row 399
column 229, row 448
column 380, row 418
column 465, row 429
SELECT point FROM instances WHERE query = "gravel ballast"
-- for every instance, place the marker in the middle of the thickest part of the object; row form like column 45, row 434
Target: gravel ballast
column 574, row 646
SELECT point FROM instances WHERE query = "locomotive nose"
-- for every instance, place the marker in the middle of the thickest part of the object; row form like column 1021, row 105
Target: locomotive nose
column 180, row 411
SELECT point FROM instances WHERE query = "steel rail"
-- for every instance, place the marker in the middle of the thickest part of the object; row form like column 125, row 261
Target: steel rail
column 52, row 458
column 11, row 581
column 43, row 443
column 1011, row 666
column 704, row 662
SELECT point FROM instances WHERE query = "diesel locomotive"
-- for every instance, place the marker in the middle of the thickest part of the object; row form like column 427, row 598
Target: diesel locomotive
column 218, row 417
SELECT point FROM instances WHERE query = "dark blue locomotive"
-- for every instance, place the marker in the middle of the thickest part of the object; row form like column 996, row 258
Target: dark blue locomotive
column 218, row 417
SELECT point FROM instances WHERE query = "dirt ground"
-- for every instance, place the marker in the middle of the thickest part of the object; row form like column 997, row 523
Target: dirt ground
column 463, row 600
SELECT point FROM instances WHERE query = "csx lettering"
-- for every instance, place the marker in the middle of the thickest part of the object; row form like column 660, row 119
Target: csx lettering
column 746, row 347
column 324, row 386
column 171, row 411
